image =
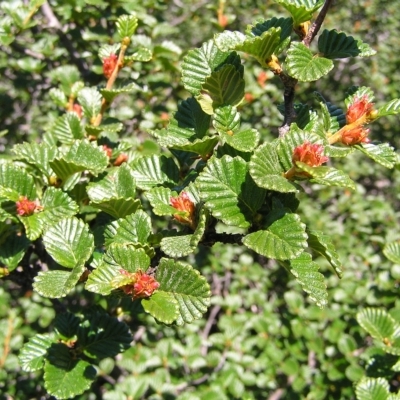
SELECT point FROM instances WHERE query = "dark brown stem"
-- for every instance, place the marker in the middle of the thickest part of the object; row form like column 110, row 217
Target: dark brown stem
column 289, row 84
column 315, row 27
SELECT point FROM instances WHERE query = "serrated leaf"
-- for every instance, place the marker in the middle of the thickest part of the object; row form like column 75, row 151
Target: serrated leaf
column 155, row 170
column 390, row 108
column 303, row 65
column 301, row 10
column 64, row 376
column 13, row 249
column 228, row 40
column 32, row 355
column 358, row 92
column 118, row 208
column 226, row 119
column 82, row 156
column 33, row 225
column 246, row 140
column 163, row 306
column 67, row 128
column 90, row 100
column 313, row 282
column 198, row 65
column 338, row 117
column 103, row 336
column 286, row 25
column 229, row 191
column 335, row 151
column 372, row 389
column 266, row 170
column 69, row 242
column 323, row 245
column 126, row 25
column 16, row 182
column 58, row 97
column 159, row 199
column 188, row 287
column 223, row 87
column 142, row 54
column 107, row 49
column 381, row 153
column 392, row 252
column 333, row 44
column 110, row 94
column 56, row 284
column 66, row 325
column 284, row 239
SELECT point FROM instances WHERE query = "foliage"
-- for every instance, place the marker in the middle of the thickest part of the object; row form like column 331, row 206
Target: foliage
column 129, row 224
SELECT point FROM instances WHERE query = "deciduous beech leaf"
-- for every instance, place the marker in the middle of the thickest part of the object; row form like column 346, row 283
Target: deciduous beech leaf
column 338, row 117
column 67, row 128
column 358, row 92
column 333, row 44
column 381, row 153
column 33, row 225
column 266, row 170
column 110, row 94
column 66, row 325
column 65, row 376
column 163, row 306
column 37, row 155
column 58, row 97
column 142, row 54
column 284, row 239
column 303, row 65
column 107, row 49
column 32, row 355
column 226, row 119
column 336, row 151
column 286, row 25
column 301, row 10
column 16, row 182
column 90, row 100
column 229, row 40
column 118, row 257
column 13, row 249
column 198, row 65
column 118, row 207
column 159, row 199
column 323, row 245
column 390, row 108
column 126, row 25
column 313, row 282
column 223, row 87
column 103, row 336
column 81, row 156
column 372, row 389
column 56, row 284
column 155, row 170
column 188, row 287
column 246, row 140
column 229, row 191
column 392, row 252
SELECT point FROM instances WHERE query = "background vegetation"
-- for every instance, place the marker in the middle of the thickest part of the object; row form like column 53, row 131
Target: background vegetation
column 261, row 338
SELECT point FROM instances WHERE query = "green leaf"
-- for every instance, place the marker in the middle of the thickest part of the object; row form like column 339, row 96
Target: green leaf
column 110, row 94
column 67, row 128
column 229, row 191
column 267, row 172
column 126, row 25
column 106, row 50
column 392, row 252
column 58, row 97
column 228, row 40
column 390, row 108
column 16, row 182
column 90, row 100
column 32, row 355
column 246, row 140
column 198, row 65
column 286, row 25
column 66, row 325
column 103, row 336
column 64, row 375
column 323, row 245
column 155, row 170
column 301, row 64
column 301, row 10
column 13, row 249
column 358, row 92
column 163, row 306
column 333, row 44
column 159, row 198
column 223, row 87
column 381, row 153
column 187, row 286
column 284, row 239
column 33, row 226
column 226, row 119
column 313, row 282
column 372, row 389
column 56, row 284
column 142, row 54
column 69, row 242
column 81, row 156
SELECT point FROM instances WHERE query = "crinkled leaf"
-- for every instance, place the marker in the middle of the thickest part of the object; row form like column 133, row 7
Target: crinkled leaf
column 106, row 50
column 323, row 245
column 188, row 287
column 229, row 191
column 390, row 108
column 159, row 199
column 32, row 355
column 392, row 252
column 301, row 10
column 13, row 249
column 90, row 100
column 66, row 325
column 58, row 97
column 16, row 182
column 284, row 239
column 336, row 151
column 126, row 25
column 333, row 44
column 65, row 376
column 67, row 128
column 266, row 170
column 163, row 306
column 229, row 40
column 338, row 117
column 358, row 92
column 246, row 140
column 110, row 94
column 372, row 389
column 155, row 170
column 381, row 153
column 286, row 25
column 226, row 119
column 313, row 282
column 33, row 225
column 303, row 65
column 142, row 54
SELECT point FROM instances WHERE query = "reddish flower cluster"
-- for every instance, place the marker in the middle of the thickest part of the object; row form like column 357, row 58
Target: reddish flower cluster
column 142, row 285
column 109, row 64
column 360, row 108
column 120, row 159
column 187, row 207
column 27, row 207
column 310, row 154
column 107, row 150
column 77, row 108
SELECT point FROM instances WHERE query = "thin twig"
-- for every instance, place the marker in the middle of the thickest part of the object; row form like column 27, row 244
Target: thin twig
column 7, row 340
